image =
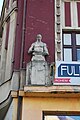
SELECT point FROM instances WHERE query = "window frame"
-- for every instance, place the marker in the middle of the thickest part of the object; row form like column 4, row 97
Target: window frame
column 59, row 113
column 73, row 45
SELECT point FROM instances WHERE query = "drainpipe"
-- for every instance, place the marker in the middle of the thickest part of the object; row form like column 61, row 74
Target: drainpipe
column 22, row 70
column 23, row 33
column 21, row 61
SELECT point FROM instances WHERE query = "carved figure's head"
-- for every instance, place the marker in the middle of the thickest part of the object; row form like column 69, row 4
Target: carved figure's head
column 39, row 37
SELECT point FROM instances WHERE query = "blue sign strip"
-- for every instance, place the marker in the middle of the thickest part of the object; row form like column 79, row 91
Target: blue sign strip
column 69, row 70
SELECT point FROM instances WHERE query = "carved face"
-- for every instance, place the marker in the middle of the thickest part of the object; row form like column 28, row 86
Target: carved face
column 39, row 37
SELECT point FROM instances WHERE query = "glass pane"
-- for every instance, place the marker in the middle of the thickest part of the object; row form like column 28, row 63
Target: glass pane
column 61, row 117
column 77, row 39
column 67, row 54
column 67, row 39
column 78, row 54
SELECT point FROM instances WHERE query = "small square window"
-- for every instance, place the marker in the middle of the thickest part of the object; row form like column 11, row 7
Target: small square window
column 67, row 39
column 77, row 39
column 78, row 54
column 67, row 54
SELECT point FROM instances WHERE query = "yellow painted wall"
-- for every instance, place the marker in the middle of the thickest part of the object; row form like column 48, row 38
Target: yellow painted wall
column 32, row 107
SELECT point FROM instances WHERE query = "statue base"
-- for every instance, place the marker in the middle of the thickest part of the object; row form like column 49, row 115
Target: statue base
column 37, row 73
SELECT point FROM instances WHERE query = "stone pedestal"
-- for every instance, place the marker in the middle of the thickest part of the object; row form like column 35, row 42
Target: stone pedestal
column 37, row 73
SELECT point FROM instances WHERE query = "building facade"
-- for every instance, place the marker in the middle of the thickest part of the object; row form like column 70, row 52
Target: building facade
column 40, row 84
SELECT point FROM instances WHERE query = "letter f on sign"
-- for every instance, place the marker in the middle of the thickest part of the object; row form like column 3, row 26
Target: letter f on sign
column 63, row 68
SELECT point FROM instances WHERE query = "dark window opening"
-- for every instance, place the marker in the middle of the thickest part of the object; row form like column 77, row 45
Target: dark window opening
column 7, row 34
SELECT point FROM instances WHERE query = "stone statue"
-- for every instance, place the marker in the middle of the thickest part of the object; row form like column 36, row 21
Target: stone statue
column 38, row 49
column 38, row 69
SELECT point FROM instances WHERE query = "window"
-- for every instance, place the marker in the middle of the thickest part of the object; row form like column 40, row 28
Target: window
column 62, row 118
column 71, row 46
column 50, row 115
column 70, row 13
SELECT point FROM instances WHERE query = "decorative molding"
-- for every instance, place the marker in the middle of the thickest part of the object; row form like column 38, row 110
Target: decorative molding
column 10, row 10
column 58, row 28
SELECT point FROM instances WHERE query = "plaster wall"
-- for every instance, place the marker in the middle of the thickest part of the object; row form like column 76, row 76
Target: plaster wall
column 3, row 55
column 12, row 111
column 9, row 59
column 9, row 113
column 4, row 91
column 32, row 108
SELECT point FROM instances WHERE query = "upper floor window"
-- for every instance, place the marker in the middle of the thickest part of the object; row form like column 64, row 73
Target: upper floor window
column 70, row 13
column 71, row 46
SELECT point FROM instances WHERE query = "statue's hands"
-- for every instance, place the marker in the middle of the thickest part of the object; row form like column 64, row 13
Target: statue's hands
column 34, row 53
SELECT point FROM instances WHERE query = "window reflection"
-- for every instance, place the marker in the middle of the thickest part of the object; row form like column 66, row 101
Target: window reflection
column 78, row 54
column 77, row 39
column 67, row 39
column 67, row 54
column 71, row 46
column 62, row 118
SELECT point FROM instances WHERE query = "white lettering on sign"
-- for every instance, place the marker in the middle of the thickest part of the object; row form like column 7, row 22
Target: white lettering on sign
column 67, row 73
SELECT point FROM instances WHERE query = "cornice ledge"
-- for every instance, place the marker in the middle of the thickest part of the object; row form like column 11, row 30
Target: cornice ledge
column 58, row 89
